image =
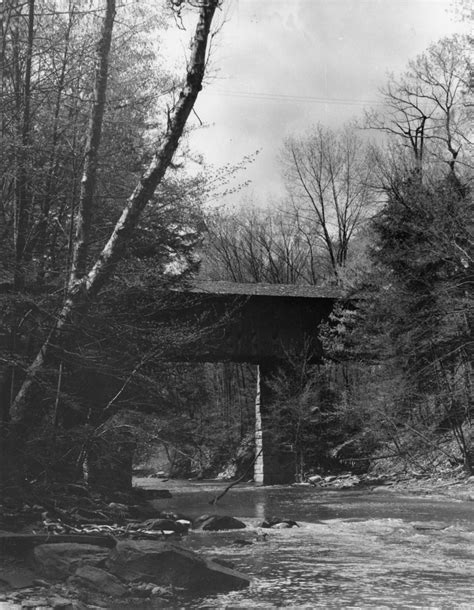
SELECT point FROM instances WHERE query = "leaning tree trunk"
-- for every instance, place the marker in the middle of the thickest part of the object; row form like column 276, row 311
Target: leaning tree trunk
column 84, row 288
column 89, row 173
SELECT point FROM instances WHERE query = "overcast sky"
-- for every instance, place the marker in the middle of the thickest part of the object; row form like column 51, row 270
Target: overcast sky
column 280, row 66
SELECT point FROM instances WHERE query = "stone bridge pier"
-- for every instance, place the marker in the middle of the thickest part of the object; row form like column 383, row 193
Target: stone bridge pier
column 275, row 464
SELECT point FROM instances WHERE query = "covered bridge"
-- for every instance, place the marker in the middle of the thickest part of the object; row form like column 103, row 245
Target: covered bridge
column 259, row 324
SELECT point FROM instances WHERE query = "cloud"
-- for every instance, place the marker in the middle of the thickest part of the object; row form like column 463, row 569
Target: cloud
column 279, row 60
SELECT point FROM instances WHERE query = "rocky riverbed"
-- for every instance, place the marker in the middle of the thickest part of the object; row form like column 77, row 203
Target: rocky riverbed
column 74, row 549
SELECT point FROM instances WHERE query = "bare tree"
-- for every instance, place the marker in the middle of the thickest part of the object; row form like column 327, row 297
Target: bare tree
column 426, row 106
column 328, row 181
column 253, row 245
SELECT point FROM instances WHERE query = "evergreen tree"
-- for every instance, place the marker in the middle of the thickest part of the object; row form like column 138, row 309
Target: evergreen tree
column 423, row 244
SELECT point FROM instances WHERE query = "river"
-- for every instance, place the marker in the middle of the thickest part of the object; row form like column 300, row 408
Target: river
column 353, row 549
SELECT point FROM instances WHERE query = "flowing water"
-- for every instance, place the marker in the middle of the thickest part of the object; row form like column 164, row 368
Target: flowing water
column 353, row 549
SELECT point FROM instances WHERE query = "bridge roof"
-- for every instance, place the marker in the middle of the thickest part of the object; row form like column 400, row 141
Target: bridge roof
column 261, row 289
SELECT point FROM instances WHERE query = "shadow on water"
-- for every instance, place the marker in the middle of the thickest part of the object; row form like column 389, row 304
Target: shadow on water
column 352, row 549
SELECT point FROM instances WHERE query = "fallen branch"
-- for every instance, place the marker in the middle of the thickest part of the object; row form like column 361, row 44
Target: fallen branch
column 371, row 458
column 236, row 482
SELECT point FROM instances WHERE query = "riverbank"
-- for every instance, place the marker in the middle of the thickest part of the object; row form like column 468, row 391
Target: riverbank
column 456, row 485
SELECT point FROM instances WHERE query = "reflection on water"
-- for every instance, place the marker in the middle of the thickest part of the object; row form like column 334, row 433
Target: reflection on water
column 260, row 509
column 352, row 549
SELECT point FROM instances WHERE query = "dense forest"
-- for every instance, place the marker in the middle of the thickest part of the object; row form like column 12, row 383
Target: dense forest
column 101, row 216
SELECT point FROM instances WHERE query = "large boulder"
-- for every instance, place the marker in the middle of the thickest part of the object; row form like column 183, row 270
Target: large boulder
column 99, row 580
column 215, row 523
column 164, row 563
column 58, row 561
column 16, row 577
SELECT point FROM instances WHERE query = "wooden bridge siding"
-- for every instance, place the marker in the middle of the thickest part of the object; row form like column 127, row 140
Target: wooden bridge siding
column 262, row 329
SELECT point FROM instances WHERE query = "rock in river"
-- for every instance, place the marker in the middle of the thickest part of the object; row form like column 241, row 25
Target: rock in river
column 163, row 563
column 277, row 523
column 98, row 580
column 168, row 525
column 215, row 523
column 58, row 561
